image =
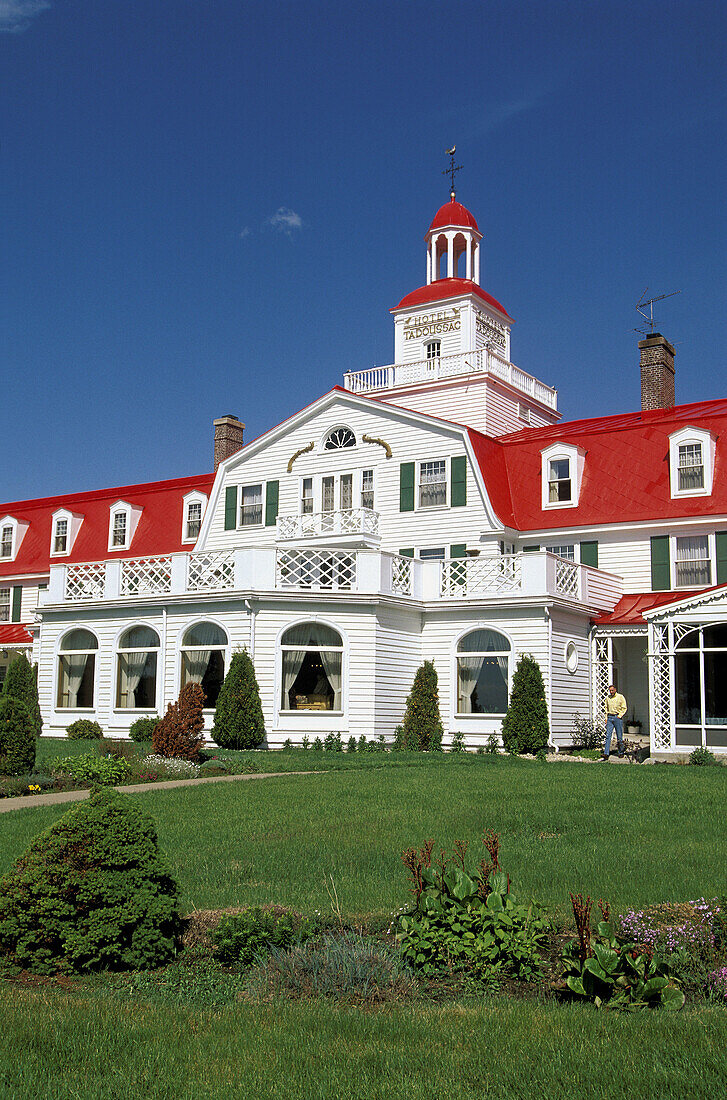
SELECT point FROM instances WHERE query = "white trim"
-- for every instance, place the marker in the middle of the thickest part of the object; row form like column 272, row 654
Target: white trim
column 114, row 709
column 706, row 441
column 489, row 723
column 133, row 514
column 179, row 648
column 193, row 497
column 19, row 527
column 322, row 449
column 711, row 552
column 575, row 457
column 74, row 521
column 320, row 721
column 63, row 711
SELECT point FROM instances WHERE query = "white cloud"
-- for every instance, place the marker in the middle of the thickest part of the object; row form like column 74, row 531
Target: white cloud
column 285, row 220
column 244, row 232
column 16, row 15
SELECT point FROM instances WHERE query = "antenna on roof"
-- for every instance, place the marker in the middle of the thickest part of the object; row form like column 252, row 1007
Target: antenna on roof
column 644, row 303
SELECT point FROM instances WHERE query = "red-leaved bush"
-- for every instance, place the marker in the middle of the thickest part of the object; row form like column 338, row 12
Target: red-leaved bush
column 180, row 731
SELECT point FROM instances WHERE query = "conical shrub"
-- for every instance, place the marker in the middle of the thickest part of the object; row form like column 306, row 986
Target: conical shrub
column 239, row 722
column 422, row 726
column 91, row 892
column 525, row 726
column 21, row 682
column 17, row 737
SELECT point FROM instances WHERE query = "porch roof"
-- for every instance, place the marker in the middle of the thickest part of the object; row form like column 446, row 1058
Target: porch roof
column 14, row 634
column 629, row 611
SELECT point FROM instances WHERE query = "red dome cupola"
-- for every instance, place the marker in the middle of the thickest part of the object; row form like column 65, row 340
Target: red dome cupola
column 454, row 234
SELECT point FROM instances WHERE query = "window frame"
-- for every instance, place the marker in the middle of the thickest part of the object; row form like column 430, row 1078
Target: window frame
column 18, row 528
column 433, row 356
column 159, row 670
column 418, row 506
column 188, row 500
column 691, row 436
column 132, row 514
column 7, row 542
column 182, row 649
column 576, row 460
column 9, row 590
column 319, row 721
column 331, row 432
column 59, row 653
column 478, row 723
column 240, row 505
column 711, row 558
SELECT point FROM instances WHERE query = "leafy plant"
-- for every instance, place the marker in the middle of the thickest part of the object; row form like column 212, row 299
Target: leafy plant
column 333, row 742
column 84, row 729
column 422, row 721
column 91, row 892
column 457, row 741
column 525, row 726
column 587, row 734
column 180, row 733
column 702, row 757
column 21, row 682
column 493, row 744
column 351, row 744
column 17, row 737
column 143, row 728
column 469, row 920
column 239, row 722
column 90, row 768
column 318, row 745
column 610, row 970
column 243, row 937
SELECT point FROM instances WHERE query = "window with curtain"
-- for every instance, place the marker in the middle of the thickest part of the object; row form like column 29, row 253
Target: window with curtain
column 693, row 561
column 251, row 505
column 691, row 467
column 203, row 659
column 432, row 484
column 483, row 658
column 312, row 667
column 76, row 670
column 136, row 676
column 6, row 543
column 5, row 597
column 559, row 480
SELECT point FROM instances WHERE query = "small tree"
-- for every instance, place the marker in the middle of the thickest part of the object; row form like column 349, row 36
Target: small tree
column 422, row 727
column 525, row 726
column 17, row 737
column 181, row 731
column 91, row 892
column 21, row 682
column 239, row 722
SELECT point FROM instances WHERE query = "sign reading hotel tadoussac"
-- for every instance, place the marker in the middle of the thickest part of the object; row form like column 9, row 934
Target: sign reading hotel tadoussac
column 432, row 324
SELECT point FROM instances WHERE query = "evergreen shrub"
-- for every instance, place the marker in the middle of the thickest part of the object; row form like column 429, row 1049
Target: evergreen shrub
column 143, row 728
column 239, row 722
column 21, row 682
column 180, row 733
column 17, row 737
column 90, row 768
column 91, row 892
column 83, row 729
column 422, row 721
column 525, row 726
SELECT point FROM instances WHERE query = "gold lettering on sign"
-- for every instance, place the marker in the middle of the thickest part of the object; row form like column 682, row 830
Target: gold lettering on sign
column 432, row 324
column 492, row 330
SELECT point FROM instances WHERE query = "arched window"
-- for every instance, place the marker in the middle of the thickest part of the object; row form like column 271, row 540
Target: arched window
column 203, row 659
column 312, row 666
column 136, row 676
column 77, row 670
column 339, row 439
column 483, row 658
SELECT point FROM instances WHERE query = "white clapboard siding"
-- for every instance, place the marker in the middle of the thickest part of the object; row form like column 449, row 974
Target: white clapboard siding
column 629, row 555
column 570, row 692
column 398, row 656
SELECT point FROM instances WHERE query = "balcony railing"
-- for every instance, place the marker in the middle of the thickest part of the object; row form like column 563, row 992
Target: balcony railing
column 333, row 569
column 349, row 521
column 484, row 361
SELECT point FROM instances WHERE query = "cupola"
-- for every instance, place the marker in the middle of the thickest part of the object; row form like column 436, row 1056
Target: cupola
column 453, row 244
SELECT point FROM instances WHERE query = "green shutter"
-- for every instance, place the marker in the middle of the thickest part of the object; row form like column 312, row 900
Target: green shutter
column 271, row 502
column 458, row 550
column 230, row 508
column 721, row 540
column 458, row 496
column 17, row 596
column 589, row 554
column 407, row 553
column 530, row 549
column 406, row 487
column 660, row 580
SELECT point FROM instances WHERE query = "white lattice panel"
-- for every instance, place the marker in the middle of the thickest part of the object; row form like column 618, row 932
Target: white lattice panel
column 146, row 576
column 660, row 662
column 210, row 571
column 401, row 576
column 567, row 576
column 480, row 576
column 331, row 569
column 86, row 581
column 349, row 521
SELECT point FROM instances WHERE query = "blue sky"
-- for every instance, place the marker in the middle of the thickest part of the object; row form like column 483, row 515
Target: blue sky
column 210, row 207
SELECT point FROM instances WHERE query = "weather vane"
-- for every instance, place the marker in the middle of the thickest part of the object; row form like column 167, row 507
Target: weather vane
column 648, row 303
column 452, row 169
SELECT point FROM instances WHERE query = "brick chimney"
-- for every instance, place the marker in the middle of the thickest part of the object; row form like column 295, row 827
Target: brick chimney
column 657, row 372
column 228, row 437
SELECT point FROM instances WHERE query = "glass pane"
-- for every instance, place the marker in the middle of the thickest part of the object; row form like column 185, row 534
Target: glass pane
column 688, row 738
column 313, row 683
column 716, row 738
column 690, row 640
column 715, row 637
column 346, row 492
column 205, row 667
column 75, row 680
column 139, row 637
column 311, row 634
column 687, row 688
column 715, row 689
column 205, row 634
column 482, row 685
column 484, row 641
column 328, row 494
column 137, row 681
column 78, row 639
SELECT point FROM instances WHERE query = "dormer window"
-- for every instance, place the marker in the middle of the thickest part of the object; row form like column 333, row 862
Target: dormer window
column 691, row 462
column 559, row 481
column 6, row 542
column 194, row 519
column 690, row 467
column 562, row 471
column 60, row 537
column 118, row 536
column 339, row 439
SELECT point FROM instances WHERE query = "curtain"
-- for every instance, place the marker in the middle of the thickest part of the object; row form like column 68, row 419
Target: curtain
column 131, row 670
column 332, row 667
column 693, row 564
column 292, row 662
column 483, row 684
column 312, row 635
column 194, row 663
column 74, row 667
column 469, row 669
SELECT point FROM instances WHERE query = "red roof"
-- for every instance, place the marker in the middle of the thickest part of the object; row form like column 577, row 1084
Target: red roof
column 625, row 475
column 442, row 289
column 159, row 530
column 629, row 611
column 14, row 634
column 453, row 213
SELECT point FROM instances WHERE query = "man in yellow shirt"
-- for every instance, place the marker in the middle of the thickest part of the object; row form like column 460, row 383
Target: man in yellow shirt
column 616, row 707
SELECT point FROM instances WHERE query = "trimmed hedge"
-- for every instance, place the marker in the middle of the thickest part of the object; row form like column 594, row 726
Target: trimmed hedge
column 143, row 728
column 525, row 727
column 83, row 729
column 239, row 722
column 17, row 737
column 422, row 726
column 21, row 682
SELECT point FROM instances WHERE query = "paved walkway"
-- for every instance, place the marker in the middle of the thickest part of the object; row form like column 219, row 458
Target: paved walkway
column 26, row 802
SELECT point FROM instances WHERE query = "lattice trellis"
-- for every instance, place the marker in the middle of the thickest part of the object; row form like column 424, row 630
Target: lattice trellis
column 602, row 674
column 660, row 686
column 330, row 569
column 682, row 629
column 86, row 581
column 567, row 578
column 146, row 576
column 401, row 576
column 210, row 571
column 348, row 521
column 480, row 576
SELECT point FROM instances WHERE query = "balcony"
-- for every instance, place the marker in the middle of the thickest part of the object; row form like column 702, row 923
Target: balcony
column 314, row 569
column 484, row 361
column 357, row 528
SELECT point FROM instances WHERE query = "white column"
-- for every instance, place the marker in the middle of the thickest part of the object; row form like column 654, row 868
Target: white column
column 477, row 264
column 435, row 272
column 469, row 258
column 429, row 266
column 450, row 255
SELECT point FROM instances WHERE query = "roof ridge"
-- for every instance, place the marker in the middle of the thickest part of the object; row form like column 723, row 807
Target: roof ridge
column 113, row 490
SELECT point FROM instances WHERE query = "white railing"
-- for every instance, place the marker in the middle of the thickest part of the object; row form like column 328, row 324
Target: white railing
column 567, row 578
column 349, row 521
column 486, row 576
column 85, row 581
column 333, row 570
column 146, row 576
column 211, row 571
column 401, row 575
column 484, row 361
